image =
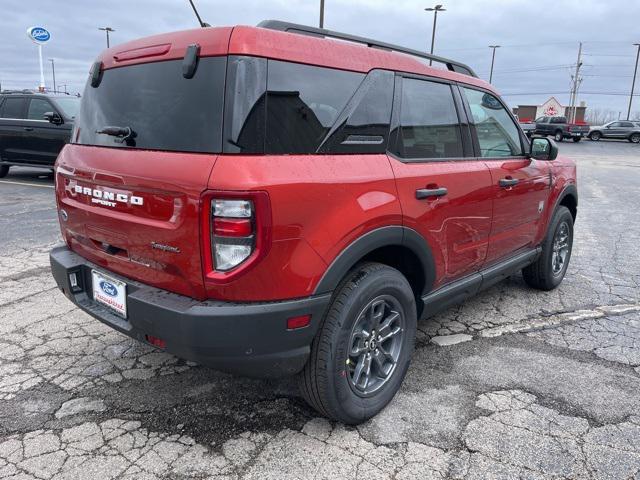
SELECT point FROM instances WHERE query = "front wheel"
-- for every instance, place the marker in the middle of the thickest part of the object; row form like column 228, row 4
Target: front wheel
column 362, row 352
column 548, row 271
column 595, row 136
column 559, row 136
column 577, row 139
column 4, row 169
column 634, row 138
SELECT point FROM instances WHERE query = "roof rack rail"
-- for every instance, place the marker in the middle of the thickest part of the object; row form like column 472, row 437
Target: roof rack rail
column 321, row 32
column 21, row 92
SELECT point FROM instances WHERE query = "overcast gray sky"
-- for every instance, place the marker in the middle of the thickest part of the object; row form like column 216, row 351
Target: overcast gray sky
column 539, row 38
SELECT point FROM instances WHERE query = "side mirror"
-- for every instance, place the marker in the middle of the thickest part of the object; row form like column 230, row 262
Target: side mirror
column 543, row 148
column 53, row 117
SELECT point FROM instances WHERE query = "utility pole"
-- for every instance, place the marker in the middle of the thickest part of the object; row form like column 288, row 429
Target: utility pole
column 493, row 58
column 435, row 10
column 633, row 84
column 107, row 30
column 321, row 13
column 574, row 89
column 53, row 69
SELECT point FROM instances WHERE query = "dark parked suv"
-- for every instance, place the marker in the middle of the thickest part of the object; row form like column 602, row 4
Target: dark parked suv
column 34, row 127
column 270, row 201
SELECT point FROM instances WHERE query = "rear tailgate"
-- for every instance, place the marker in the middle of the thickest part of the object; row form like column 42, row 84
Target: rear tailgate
column 146, row 138
column 136, row 213
column 579, row 128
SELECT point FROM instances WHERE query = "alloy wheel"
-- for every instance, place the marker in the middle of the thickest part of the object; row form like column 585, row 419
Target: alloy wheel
column 560, row 248
column 375, row 345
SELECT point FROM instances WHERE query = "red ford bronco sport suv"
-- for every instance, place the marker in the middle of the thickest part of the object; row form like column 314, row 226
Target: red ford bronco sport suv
column 280, row 200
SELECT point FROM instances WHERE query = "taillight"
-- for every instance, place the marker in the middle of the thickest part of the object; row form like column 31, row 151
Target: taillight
column 237, row 229
column 232, row 232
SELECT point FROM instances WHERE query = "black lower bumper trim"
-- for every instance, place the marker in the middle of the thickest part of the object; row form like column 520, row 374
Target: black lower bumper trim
column 245, row 338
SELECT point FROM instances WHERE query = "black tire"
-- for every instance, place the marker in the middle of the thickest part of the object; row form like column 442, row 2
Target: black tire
column 595, row 136
column 558, row 136
column 541, row 274
column 4, row 169
column 327, row 380
column 577, row 139
column 634, row 138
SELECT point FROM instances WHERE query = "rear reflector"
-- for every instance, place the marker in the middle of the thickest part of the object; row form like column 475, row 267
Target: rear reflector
column 298, row 322
column 155, row 341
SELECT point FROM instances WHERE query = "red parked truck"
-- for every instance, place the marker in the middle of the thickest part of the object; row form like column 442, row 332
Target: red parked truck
column 270, row 201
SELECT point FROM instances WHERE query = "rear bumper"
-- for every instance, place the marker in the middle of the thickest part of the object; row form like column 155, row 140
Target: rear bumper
column 249, row 339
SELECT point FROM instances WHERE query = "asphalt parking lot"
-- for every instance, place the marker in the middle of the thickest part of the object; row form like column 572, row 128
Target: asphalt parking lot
column 549, row 386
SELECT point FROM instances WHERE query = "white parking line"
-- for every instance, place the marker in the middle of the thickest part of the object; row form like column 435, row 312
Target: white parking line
column 26, row 184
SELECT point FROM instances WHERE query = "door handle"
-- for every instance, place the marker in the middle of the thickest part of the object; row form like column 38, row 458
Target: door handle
column 508, row 182
column 430, row 192
column 28, row 129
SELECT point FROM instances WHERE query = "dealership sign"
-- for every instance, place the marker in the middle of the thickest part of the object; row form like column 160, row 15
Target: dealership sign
column 38, row 35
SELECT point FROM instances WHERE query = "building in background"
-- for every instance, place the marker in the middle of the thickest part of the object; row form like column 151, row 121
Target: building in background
column 550, row 108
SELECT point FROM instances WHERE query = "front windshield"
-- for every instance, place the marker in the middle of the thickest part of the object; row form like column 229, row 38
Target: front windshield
column 69, row 105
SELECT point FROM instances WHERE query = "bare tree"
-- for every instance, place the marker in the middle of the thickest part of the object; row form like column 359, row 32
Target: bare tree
column 598, row 116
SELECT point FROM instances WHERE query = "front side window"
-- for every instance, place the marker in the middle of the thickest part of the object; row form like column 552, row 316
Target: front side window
column 429, row 126
column 38, row 107
column 12, row 108
column 497, row 133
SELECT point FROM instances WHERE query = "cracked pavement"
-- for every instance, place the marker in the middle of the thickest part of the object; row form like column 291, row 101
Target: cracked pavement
column 549, row 387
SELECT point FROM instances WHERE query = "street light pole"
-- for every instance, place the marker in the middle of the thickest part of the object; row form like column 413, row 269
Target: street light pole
column 435, row 10
column 321, row 13
column 53, row 69
column 493, row 59
column 633, row 84
column 107, row 30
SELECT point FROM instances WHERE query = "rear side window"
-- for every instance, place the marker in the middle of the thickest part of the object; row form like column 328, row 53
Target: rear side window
column 164, row 110
column 303, row 103
column 287, row 108
column 38, row 107
column 12, row 108
column 497, row 132
column 429, row 126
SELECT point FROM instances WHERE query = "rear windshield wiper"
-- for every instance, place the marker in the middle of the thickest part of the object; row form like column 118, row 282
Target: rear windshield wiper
column 123, row 134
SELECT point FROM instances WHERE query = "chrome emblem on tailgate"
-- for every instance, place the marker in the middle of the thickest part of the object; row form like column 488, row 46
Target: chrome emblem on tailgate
column 107, row 198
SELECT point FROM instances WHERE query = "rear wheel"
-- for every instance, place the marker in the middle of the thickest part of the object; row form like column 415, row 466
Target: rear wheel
column 4, row 169
column 634, row 138
column 362, row 351
column 577, row 139
column 549, row 270
column 595, row 136
column 559, row 136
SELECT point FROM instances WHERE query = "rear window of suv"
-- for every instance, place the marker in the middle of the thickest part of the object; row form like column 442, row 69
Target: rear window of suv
column 164, row 110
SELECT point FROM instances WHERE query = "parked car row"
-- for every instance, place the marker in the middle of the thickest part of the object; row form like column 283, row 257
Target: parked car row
column 561, row 129
column 34, row 128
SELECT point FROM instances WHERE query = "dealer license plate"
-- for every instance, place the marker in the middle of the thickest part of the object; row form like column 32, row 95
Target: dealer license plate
column 110, row 292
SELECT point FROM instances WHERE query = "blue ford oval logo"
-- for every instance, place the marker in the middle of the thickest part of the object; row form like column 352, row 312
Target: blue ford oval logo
column 39, row 34
column 108, row 288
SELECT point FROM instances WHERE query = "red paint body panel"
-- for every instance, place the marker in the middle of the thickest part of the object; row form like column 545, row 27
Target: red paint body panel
column 320, row 204
column 517, row 211
column 169, row 183
column 456, row 226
